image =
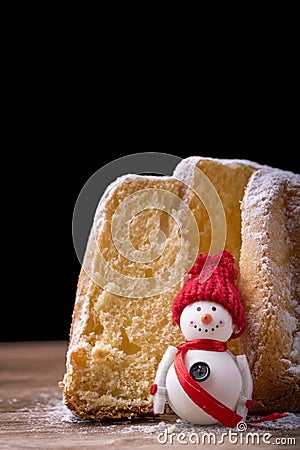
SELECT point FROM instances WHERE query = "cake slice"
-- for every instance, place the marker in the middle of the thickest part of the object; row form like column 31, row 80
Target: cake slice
column 118, row 339
column 119, row 330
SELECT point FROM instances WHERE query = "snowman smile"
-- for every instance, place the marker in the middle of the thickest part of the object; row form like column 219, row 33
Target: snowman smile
column 205, row 328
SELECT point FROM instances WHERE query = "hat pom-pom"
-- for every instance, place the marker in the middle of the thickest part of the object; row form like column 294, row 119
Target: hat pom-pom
column 227, row 262
column 199, row 264
column 223, row 260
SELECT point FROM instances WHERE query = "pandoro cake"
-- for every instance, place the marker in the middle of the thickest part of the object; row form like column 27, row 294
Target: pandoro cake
column 147, row 233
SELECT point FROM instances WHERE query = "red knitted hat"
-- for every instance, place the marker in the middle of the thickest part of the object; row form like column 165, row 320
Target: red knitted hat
column 218, row 287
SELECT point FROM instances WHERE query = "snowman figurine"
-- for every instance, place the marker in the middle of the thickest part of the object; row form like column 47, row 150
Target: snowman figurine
column 203, row 382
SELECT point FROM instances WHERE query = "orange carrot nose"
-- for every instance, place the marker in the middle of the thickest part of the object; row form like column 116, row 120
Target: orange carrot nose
column 206, row 318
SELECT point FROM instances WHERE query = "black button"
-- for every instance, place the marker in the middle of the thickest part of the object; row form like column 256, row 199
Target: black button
column 200, row 371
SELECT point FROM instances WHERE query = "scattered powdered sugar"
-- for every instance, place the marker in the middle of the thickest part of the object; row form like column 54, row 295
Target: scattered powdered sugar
column 46, row 417
column 58, row 415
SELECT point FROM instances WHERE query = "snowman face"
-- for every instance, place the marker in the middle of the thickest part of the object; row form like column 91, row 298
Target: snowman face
column 206, row 320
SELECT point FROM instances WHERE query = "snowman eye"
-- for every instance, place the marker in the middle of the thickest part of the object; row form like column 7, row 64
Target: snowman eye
column 199, row 308
column 214, row 308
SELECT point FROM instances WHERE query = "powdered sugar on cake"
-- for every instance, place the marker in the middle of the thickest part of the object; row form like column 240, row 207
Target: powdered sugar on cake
column 267, row 186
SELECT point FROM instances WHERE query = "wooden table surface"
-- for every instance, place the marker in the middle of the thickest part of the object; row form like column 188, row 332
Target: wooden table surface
column 32, row 414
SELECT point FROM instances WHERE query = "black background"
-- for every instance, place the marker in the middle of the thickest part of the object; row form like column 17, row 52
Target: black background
column 74, row 101
column 44, row 266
